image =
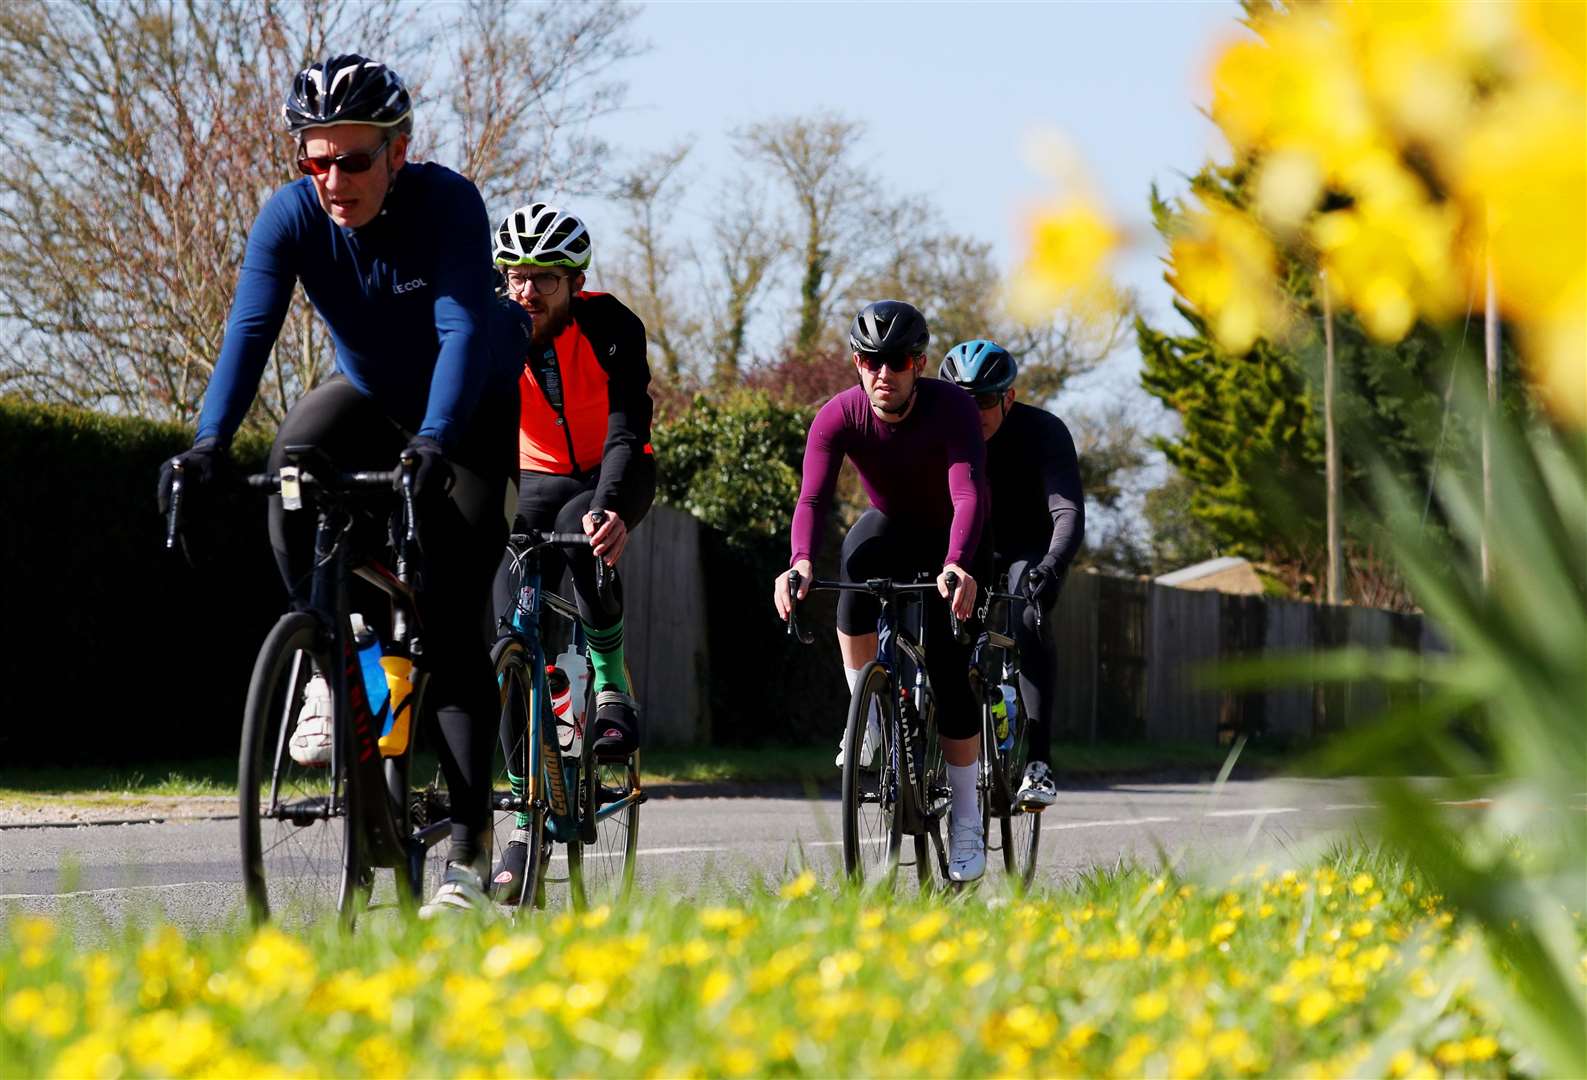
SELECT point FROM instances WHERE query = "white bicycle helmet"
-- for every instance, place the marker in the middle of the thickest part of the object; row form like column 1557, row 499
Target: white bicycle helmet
column 542, row 235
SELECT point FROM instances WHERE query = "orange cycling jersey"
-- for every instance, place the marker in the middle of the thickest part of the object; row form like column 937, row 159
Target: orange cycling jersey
column 585, row 403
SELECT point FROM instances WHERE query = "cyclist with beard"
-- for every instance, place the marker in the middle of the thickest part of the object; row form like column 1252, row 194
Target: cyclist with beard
column 917, row 445
column 1038, row 522
column 583, row 447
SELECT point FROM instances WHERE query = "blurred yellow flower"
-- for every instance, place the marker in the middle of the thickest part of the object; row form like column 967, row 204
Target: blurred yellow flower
column 717, row 986
column 800, row 886
column 1187, row 1061
column 1149, row 1006
column 1224, row 265
column 1314, row 1007
column 1071, row 242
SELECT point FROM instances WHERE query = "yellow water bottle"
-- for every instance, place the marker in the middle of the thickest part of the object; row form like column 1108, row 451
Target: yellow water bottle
column 399, row 679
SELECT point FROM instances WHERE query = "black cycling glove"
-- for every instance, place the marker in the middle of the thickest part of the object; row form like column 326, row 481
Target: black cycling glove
column 432, row 473
column 1041, row 585
column 201, row 467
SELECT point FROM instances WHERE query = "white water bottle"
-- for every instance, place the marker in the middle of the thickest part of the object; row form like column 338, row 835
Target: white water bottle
column 577, row 670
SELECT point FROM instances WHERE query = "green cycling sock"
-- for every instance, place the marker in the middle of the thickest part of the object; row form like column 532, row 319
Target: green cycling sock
column 606, row 657
column 520, row 787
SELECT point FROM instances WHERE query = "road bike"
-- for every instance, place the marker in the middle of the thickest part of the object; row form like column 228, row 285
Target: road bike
column 903, row 789
column 587, row 801
column 312, row 837
column 1005, row 735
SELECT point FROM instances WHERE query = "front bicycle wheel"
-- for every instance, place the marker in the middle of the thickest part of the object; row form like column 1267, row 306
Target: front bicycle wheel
column 1021, row 828
column 300, row 851
column 871, row 825
column 601, row 871
column 518, row 808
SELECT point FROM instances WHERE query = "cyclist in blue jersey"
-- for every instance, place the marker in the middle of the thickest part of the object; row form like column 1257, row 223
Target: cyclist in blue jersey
column 1038, row 522
column 395, row 257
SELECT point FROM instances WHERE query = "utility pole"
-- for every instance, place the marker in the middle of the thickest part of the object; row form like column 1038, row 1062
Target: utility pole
column 1331, row 444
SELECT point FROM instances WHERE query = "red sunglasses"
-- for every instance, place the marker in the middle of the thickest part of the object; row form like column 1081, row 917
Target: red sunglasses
column 356, row 162
column 895, row 361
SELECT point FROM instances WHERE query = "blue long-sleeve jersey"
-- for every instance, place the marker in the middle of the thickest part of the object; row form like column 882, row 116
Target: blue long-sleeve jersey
column 408, row 299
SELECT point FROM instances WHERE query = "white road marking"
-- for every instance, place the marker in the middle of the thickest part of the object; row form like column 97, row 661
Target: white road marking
column 1104, row 824
column 108, row 892
column 1260, row 811
column 642, row 851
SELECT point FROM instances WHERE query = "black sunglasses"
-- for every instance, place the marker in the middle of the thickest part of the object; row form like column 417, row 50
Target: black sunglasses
column 356, row 162
column 985, row 402
column 894, row 361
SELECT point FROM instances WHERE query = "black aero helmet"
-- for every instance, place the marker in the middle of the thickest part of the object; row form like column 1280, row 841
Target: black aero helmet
column 889, row 326
column 980, row 367
column 347, row 89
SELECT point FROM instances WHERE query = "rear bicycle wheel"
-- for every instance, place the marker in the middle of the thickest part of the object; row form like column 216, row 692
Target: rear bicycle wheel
column 935, row 797
column 871, row 825
column 299, row 834
column 601, row 870
column 517, row 802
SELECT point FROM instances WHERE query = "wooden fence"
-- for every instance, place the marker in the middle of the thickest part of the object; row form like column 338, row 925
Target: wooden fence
column 1129, row 652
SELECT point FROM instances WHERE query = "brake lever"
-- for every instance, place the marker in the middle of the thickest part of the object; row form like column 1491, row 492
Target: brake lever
column 795, row 631
column 952, row 581
column 1031, row 575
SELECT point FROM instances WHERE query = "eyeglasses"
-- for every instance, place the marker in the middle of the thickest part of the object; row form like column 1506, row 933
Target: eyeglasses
column 356, row 162
column 894, row 361
column 988, row 402
column 545, row 284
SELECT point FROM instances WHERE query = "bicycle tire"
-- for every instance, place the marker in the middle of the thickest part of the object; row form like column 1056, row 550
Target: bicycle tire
column 299, row 835
column 934, row 803
column 1021, row 830
column 601, row 871
column 515, row 682
column 871, row 840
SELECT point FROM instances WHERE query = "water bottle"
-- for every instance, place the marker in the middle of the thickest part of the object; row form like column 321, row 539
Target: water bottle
column 369, row 654
column 561, row 692
column 1007, row 712
column 399, row 681
column 578, row 672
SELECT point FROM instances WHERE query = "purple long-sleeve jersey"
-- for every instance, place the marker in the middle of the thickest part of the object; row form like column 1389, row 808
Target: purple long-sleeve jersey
column 930, row 468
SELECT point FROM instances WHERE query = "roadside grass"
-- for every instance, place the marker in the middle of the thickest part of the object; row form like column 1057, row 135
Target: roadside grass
column 1345, row 967
column 112, row 785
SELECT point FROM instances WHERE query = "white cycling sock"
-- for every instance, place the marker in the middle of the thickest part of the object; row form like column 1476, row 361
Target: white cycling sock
column 961, row 779
column 852, row 674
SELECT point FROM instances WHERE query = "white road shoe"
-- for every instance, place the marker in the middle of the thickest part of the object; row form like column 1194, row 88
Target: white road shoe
column 966, row 850
column 462, row 889
column 868, row 745
column 310, row 745
column 1037, row 789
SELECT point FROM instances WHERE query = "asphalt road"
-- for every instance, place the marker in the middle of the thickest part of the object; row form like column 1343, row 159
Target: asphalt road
column 698, row 847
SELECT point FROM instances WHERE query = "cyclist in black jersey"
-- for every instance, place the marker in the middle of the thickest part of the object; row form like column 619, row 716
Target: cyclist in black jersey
column 1037, row 525
column 583, row 448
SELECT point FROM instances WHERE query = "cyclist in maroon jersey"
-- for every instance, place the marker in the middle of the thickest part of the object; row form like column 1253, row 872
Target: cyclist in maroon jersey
column 917, row 445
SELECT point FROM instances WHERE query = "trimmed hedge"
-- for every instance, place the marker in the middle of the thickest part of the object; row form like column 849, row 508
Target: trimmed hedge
column 114, row 649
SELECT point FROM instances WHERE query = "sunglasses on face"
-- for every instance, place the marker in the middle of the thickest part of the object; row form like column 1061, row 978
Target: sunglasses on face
column 988, row 402
column 545, row 284
column 355, row 162
column 874, row 362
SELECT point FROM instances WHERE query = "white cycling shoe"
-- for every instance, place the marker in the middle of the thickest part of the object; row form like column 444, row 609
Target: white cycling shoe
column 1037, row 789
column 462, row 889
column 966, row 850
column 868, row 745
column 310, row 745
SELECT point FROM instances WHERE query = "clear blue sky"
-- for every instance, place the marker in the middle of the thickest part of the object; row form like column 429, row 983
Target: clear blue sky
column 949, row 92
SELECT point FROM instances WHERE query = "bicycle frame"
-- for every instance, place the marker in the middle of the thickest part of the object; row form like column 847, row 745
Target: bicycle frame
column 530, row 600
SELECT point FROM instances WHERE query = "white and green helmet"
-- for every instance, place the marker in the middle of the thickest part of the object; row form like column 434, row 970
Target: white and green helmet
column 542, row 235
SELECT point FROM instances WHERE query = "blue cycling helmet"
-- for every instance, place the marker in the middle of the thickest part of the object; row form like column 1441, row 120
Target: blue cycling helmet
column 979, row 367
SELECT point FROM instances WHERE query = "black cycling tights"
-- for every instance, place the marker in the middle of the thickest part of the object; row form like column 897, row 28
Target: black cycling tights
column 462, row 534
column 881, row 548
column 1038, row 668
